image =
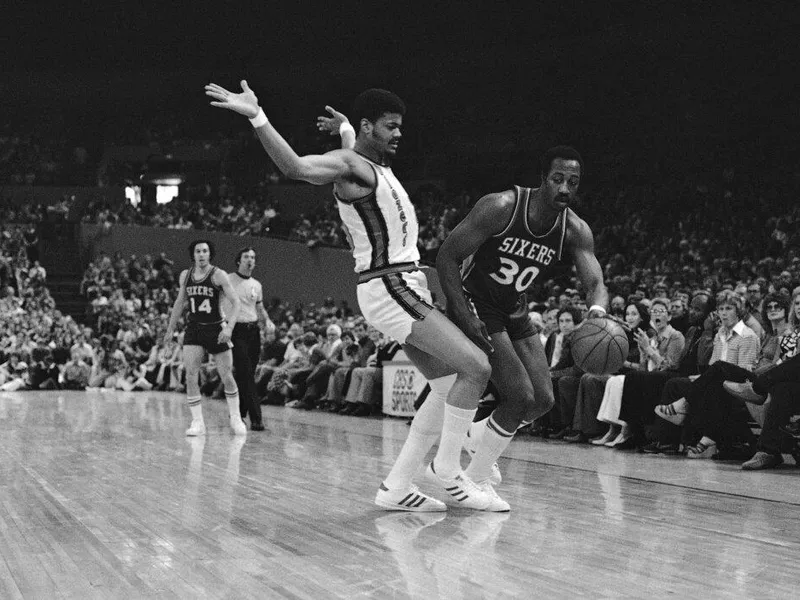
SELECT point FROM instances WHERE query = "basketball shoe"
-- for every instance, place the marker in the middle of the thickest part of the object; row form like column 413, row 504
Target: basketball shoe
column 497, row 504
column 198, row 427
column 409, row 499
column 460, row 490
column 238, row 426
column 471, row 446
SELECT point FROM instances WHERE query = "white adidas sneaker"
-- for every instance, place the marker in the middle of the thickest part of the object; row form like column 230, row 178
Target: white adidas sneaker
column 497, row 504
column 238, row 426
column 460, row 490
column 409, row 499
column 471, row 446
column 198, row 427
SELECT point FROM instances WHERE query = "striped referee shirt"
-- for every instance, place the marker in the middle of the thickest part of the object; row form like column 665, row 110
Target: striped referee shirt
column 739, row 346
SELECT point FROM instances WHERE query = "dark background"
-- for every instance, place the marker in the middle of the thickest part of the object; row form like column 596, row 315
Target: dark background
column 642, row 87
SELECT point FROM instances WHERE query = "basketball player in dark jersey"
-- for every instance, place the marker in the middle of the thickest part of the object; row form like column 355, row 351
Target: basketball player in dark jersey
column 486, row 264
column 207, row 329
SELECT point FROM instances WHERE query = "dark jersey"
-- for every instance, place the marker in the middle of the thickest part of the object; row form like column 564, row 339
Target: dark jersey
column 203, row 297
column 508, row 263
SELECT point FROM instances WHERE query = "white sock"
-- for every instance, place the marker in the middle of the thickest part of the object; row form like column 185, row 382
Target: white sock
column 476, row 431
column 456, row 423
column 233, row 403
column 195, row 407
column 423, row 433
column 494, row 441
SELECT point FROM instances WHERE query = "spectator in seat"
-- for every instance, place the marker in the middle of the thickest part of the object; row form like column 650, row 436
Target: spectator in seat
column 679, row 317
column 559, row 356
column 76, row 372
column 736, row 348
column 588, row 389
column 624, row 403
column 365, row 391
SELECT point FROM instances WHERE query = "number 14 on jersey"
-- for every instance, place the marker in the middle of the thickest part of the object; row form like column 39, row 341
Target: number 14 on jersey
column 205, row 306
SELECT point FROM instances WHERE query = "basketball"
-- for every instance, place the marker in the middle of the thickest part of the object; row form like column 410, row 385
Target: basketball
column 599, row 346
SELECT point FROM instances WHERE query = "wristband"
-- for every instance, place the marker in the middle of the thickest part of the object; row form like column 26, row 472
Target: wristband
column 345, row 126
column 597, row 307
column 259, row 120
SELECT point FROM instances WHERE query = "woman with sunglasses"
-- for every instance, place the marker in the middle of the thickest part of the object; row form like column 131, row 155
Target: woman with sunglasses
column 782, row 384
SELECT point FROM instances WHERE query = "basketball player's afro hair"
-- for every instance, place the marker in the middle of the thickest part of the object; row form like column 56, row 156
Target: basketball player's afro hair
column 373, row 103
column 563, row 152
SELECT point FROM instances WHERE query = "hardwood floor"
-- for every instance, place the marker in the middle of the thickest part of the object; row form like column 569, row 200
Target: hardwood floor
column 102, row 496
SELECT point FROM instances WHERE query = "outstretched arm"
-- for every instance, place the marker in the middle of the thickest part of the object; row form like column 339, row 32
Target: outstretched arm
column 490, row 215
column 316, row 169
column 338, row 124
column 588, row 268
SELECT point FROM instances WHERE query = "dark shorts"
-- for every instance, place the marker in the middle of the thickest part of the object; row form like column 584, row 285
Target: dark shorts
column 517, row 323
column 198, row 334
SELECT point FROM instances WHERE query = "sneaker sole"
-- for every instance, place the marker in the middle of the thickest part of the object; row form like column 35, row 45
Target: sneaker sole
column 448, row 499
column 426, row 506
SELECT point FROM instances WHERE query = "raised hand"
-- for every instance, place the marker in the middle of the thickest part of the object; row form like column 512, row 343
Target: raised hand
column 641, row 339
column 244, row 103
column 331, row 124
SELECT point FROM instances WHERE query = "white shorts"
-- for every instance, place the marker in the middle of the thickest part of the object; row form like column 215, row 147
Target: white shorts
column 394, row 302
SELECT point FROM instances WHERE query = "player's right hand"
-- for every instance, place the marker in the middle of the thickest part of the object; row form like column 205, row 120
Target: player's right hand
column 245, row 103
column 475, row 330
column 333, row 123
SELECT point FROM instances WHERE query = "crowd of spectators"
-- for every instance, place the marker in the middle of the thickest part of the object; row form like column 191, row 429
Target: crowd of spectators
column 662, row 244
column 32, row 157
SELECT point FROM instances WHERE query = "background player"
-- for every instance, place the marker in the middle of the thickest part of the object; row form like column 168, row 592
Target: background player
column 392, row 292
column 505, row 243
column 206, row 330
column 246, row 337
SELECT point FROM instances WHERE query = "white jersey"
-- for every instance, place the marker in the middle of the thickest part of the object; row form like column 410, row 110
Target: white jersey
column 382, row 226
column 250, row 294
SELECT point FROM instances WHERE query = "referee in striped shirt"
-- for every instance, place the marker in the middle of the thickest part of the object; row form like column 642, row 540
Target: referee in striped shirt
column 246, row 336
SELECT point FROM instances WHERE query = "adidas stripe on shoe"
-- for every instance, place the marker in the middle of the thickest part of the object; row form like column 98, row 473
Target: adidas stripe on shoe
column 460, row 490
column 409, row 499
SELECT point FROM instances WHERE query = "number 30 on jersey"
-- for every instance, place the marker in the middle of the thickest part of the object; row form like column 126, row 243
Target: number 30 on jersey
column 205, row 306
column 510, row 274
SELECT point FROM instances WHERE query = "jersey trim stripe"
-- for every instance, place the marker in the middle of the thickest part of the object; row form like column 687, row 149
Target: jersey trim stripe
column 377, row 231
column 518, row 192
column 564, row 216
column 365, row 197
column 405, row 297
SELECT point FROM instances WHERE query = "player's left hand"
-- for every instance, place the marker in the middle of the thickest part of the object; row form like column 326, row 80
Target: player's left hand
column 245, row 103
column 333, row 123
column 225, row 335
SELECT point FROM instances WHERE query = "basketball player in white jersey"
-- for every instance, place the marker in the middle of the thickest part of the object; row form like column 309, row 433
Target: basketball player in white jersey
column 392, row 292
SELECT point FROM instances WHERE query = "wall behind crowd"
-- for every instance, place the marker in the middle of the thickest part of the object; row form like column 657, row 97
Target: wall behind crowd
column 294, row 272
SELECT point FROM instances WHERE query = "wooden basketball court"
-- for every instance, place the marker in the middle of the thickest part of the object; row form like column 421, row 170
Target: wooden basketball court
column 102, row 496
